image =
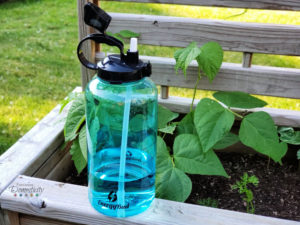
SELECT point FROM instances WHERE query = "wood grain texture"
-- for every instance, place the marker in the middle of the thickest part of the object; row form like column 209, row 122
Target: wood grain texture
column 70, row 203
column 11, row 218
column 88, row 48
column 31, row 151
column 262, row 80
column 232, row 36
column 34, row 220
column 281, row 117
column 50, row 166
column 247, row 59
column 251, row 4
column 62, row 169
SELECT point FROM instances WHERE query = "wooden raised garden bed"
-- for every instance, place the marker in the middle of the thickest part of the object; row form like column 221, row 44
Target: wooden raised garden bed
column 37, row 160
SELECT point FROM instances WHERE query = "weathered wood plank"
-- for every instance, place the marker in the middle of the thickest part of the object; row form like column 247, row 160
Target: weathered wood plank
column 11, row 218
column 70, row 203
column 247, row 59
column 232, row 36
column 62, row 169
column 261, row 4
column 33, row 149
column 164, row 92
column 34, row 220
column 262, row 80
column 88, row 48
column 52, row 163
column 281, row 117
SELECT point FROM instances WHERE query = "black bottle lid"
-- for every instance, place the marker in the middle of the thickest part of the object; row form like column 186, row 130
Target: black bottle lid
column 118, row 68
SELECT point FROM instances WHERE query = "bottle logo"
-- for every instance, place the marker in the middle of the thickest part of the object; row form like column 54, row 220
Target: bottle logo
column 128, row 154
column 112, row 196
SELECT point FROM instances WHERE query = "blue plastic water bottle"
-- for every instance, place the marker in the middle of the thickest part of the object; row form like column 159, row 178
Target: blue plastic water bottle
column 121, row 119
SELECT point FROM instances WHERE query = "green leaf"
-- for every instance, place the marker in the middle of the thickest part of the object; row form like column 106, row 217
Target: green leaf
column 186, row 125
column 165, row 116
column 212, row 122
column 298, row 154
column 185, row 56
column 239, row 99
column 116, row 35
column 77, row 156
column 71, row 96
column 173, row 184
column 163, row 158
column 258, row 131
column 288, row 135
column 75, row 118
column 228, row 140
column 83, row 142
column 189, row 157
column 128, row 34
column 210, row 59
column 168, row 129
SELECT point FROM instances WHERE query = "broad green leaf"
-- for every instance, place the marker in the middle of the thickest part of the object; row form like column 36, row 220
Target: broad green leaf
column 186, row 125
column 128, row 34
column 228, row 140
column 165, row 116
column 75, row 118
column 212, row 122
column 258, row 131
column 239, row 99
column 71, row 96
column 83, row 141
column 79, row 160
column 163, row 158
column 168, row 129
column 185, row 56
column 288, row 135
column 189, row 157
column 210, row 59
column 173, row 184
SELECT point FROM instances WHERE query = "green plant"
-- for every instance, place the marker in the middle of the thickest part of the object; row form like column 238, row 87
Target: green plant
column 209, row 202
column 123, row 34
column 242, row 187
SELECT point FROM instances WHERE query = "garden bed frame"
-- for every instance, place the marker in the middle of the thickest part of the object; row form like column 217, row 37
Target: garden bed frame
column 37, row 158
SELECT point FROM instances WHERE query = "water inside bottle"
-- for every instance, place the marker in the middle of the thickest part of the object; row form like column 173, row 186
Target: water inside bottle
column 139, row 182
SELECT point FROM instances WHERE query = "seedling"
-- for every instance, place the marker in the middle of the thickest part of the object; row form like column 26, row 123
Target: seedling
column 242, row 187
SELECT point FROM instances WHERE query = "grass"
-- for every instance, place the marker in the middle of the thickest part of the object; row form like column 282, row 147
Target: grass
column 39, row 66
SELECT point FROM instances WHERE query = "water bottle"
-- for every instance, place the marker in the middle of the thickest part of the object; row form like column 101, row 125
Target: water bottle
column 121, row 121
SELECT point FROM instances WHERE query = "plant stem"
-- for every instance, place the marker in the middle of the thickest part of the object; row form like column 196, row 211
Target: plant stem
column 236, row 114
column 195, row 89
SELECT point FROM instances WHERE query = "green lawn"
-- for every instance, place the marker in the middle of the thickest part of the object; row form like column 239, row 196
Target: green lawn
column 39, row 66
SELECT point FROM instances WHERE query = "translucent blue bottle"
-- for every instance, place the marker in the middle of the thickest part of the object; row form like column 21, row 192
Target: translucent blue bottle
column 121, row 119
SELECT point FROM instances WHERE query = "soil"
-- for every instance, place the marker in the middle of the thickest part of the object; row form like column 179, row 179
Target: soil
column 277, row 195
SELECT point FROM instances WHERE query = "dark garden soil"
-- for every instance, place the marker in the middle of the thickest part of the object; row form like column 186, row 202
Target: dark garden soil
column 277, row 195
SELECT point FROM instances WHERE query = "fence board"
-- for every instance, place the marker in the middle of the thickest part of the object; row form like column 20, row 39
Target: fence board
column 232, row 36
column 262, row 80
column 258, row 4
column 70, row 203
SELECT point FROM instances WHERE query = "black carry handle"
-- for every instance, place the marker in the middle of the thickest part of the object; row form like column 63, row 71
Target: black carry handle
column 98, row 38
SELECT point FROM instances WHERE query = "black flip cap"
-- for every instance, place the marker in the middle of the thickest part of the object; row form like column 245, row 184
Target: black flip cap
column 96, row 17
